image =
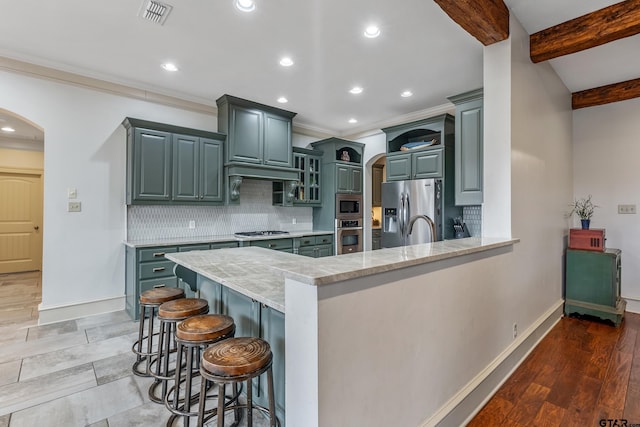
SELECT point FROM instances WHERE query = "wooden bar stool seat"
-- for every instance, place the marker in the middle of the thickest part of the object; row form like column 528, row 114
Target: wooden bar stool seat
column 232, row 361
column 193, row 335
column 149, row 301
column 169, row 314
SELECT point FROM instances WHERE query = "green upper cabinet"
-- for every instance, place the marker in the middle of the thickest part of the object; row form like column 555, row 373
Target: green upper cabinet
column 308, row 163
column 469, row 147
column 257, row 134
column 149, row 174
column 173, row 165
column 197, row 169
column 348, row 178
column 416, row 150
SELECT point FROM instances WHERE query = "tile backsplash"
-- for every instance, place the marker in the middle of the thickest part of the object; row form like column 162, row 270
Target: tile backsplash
column 255, row 212
column 472, row 216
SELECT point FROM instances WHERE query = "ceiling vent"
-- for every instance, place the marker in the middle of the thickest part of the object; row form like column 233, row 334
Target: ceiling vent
column 154, row 11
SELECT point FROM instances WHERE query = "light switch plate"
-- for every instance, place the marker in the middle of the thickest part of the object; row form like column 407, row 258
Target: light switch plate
column 74, row 207
column 72, row 193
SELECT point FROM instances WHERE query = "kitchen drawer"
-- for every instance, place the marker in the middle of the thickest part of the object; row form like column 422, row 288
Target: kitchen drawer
column 202, row 247
column 277, row 244
column 153, row 254
column 324, row 239
column 168, row 282
column 148, row 270
column 221, row 245
column 307, row 241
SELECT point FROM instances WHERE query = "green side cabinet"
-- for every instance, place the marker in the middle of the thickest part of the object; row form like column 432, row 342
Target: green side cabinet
column 173, row 165
column 593, row 284
column 376, row 239
column 146, row 268
column 314, row 246
column 469, row 147
column 426, row 163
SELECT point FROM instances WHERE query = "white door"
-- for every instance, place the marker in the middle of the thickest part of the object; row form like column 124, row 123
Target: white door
column 20, row 222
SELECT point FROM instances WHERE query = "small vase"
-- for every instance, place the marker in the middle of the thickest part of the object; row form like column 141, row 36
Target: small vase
column 585, row 223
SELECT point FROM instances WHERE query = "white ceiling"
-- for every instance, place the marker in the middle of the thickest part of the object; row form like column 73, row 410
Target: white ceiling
column 222, row 50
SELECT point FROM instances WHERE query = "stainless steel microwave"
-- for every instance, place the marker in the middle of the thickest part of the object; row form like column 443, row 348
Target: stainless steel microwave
column 348, row 206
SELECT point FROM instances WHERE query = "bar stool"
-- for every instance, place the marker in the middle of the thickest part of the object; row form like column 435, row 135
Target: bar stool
column 232, row 361
column 193, row 335
column 149, row 301
column 169, row 314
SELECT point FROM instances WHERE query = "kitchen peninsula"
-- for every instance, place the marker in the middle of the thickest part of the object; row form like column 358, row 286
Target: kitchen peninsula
column 365, row 335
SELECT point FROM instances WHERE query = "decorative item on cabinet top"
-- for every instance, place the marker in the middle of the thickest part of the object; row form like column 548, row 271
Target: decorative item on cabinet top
column 259, row 144
column 173, row 165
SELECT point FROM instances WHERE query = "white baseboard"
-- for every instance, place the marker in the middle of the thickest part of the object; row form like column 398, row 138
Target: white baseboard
column 633, row 304
column 73, row 311
column 463, row 406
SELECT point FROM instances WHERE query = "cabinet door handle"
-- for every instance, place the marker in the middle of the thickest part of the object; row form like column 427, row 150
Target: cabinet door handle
column 272, row 245
column 157, row 269
column 161, row 285
column 158, row 254
column 306, row 242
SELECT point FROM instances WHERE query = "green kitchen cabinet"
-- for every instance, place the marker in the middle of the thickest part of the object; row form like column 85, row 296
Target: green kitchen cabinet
column 309, row 165
column 272, row 330
column 146, row 268
column 376, row 239
column 593, row 284
column 314, row 246
column 172, row 165
column 426, row 163
column 377, row 177
column 348, row 178
column 257, row 134
column 197, row 169
column 469, row 147
column 244, row 310
column 149, row 168
column 284, row 244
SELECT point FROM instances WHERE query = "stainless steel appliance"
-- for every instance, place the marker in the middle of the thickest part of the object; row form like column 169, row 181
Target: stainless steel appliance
column 349, row 206
column 411, row 212
column 348, row 236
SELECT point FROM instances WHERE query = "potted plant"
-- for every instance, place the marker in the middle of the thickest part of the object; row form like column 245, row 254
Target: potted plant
column 584, row 209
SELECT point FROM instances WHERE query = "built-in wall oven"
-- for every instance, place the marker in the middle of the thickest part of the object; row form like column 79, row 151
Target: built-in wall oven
column 348, row 236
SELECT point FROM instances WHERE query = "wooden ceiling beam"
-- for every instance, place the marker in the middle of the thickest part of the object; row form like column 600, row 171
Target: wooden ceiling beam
column 486, row 20
column 593, row 29
column 606, row 94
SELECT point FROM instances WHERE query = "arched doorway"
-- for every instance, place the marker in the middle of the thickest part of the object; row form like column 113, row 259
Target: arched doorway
column 21, row 206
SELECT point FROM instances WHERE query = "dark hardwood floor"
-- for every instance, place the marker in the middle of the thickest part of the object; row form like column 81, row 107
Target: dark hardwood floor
column 582, row 372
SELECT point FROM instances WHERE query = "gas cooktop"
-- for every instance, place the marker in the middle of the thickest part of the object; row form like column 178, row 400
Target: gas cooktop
column 260, row 233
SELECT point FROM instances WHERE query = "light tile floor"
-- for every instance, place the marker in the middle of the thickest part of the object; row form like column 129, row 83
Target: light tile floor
column 72, row 373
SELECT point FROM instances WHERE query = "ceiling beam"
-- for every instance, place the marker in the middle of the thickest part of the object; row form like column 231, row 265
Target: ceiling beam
column 606, row 94
column 486, row 20
column 593, row 29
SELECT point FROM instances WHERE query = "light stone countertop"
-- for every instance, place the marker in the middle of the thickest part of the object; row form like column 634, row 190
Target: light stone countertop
column 259, row 273
column 142, row 243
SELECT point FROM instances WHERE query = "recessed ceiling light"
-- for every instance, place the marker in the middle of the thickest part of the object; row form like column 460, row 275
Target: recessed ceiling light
column 245, row 5
column 372, row 31
column 356, row 90
column 169, row 66
column 8, row 129
column 283, row 100
column 406, row 94
column 352, row 120
column 286, row 62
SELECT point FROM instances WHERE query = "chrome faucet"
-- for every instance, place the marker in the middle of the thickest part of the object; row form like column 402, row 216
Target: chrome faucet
column 432, row 225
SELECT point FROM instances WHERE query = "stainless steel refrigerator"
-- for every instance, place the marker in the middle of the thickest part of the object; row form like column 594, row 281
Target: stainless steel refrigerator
column 411, row 212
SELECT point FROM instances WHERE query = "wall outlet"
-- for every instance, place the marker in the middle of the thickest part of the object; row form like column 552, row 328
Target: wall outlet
column 515, row 330
column 294, row 221
column 192, row 224
column 74, row 207
column 626, row 209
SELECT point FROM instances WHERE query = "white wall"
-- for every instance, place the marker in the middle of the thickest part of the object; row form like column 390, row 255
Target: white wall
column 83, row 255
column 606, row 159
